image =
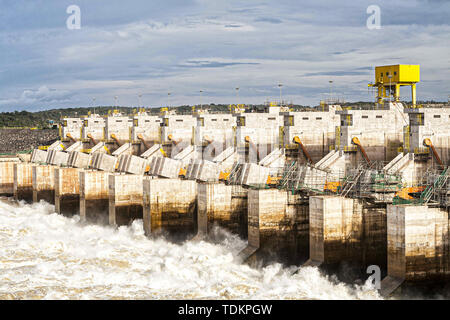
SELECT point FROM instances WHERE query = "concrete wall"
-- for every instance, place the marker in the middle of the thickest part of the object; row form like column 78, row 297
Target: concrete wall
column 67, row 191
column 374, row 236
column 315, row 129
column 170, row 208
column 431, row 123
column 94, row 199
column 43, row 183
column 263, row 129
column 413, row 171
column 346, row 235
column 125, row 198
column 331, row 224
column 149, row 127
column 93, row 125
column 418, row 245
column 71, row 126
column 120, row 126
column 7, row 178
column 181, row 127
column 224, row 206
column 215, row 127
column 379, row 131
column 23, row 181
column 277, row 228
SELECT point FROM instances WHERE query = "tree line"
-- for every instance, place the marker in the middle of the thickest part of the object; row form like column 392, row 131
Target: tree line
column 48, row 118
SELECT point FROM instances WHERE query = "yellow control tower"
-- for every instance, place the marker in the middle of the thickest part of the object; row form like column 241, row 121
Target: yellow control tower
column 392, row 78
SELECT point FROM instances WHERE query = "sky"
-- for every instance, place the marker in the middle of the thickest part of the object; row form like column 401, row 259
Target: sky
column 129, row 48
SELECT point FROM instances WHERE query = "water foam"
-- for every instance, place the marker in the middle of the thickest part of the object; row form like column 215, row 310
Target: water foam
column 44, row 255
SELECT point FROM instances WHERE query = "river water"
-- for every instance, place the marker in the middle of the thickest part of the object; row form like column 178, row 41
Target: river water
column 44, row 255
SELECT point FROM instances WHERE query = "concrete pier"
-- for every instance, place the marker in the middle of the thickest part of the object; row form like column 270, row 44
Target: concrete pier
column 277, row 227
column 332, row 229
column 43, row 183
column 7, row 178
column 125, row 198
column 94, row 200
column 170, row 208
column 222, row 205
column 23, row 181
column 418, row 246
column 67, row 191
column 346, row 235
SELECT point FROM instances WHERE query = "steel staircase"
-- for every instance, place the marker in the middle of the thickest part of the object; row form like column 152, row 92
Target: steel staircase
column 426, row 195
column 288, row 174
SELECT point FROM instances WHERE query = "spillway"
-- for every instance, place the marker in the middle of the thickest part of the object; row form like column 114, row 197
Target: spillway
column 48, row 256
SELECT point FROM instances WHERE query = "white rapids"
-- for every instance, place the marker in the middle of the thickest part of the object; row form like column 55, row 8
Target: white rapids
column 44, row 255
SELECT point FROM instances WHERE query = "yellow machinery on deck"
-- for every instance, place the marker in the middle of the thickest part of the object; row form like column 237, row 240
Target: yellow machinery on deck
column 332, row 186
column 391, row 78
column 405, row 192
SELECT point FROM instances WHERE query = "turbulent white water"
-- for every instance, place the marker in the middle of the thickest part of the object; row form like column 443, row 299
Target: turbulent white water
column 46, row 256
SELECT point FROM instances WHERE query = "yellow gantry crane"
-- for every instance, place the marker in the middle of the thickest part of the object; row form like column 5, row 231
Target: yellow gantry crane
column 391, row 78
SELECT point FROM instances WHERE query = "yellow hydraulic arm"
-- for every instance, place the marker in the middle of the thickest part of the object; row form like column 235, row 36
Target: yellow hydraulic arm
column 114, row 137
column 356, row 141
column 427, row 142
column 305, row 152
column 70, row 137
column 140, row 137
column 175, row 142
column 92, row 139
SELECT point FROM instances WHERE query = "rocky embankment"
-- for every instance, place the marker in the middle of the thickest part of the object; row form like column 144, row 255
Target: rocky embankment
column 15, row 140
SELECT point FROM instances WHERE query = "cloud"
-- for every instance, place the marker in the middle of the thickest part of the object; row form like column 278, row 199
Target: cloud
column 213, row 64
column 269, row 20
column 43, row 95
column 150, row 48
column 340, row 73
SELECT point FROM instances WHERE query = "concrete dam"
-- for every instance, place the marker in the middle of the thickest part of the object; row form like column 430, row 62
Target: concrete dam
column 342, row 189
